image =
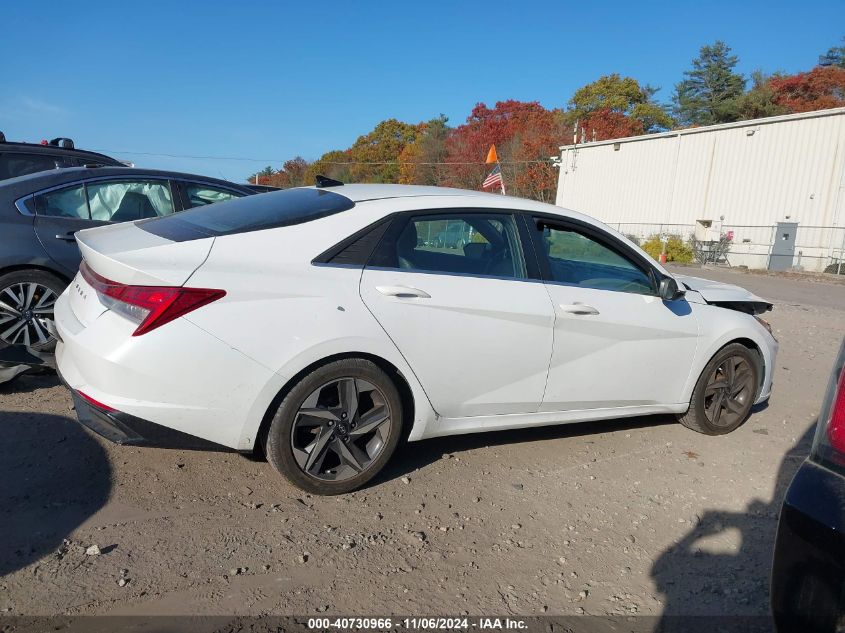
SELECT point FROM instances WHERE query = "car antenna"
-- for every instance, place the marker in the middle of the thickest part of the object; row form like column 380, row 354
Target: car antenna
column 324, row 181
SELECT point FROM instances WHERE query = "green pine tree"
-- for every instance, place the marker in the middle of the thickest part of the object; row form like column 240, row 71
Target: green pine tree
column 711, row 91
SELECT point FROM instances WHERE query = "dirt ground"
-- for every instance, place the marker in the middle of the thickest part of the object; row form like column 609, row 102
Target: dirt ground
column 636, row 516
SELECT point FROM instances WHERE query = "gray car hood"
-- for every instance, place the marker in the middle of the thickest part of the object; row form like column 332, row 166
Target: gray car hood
column 726, row 295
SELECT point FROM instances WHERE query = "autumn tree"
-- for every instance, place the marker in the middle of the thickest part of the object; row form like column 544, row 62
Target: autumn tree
column 710, row 91
column 760, row 100
column 613, row 95
column 526, row 135
column 334, row 164
column 262, row 177
column 375, row 156
column 421, row 161
column 835, row 56
column 821, row 88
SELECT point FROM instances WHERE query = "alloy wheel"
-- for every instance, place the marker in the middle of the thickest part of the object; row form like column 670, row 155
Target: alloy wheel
column 729, row 392
column 340, row 429
column 26, row 309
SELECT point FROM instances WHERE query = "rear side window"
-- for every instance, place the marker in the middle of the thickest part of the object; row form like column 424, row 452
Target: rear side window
column 479, row 244
column 250, row 213
column 69, row 202
column 19, row 164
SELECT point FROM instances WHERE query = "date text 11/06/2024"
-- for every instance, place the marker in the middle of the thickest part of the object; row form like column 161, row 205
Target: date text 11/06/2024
column 423, row 623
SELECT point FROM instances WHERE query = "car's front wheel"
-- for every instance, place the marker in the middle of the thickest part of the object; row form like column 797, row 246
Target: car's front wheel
column 336, row 428
column 724, row 393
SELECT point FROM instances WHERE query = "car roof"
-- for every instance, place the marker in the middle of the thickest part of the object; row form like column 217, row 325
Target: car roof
column 365, row 192
column 372, row 193
column 30, row 183
column 55, row 150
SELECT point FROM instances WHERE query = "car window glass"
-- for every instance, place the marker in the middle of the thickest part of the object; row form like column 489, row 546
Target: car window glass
column 18, row 164
column 199, row 195
column 63, row 203
column 126, row 200
column 579, row 260
column 473, row 244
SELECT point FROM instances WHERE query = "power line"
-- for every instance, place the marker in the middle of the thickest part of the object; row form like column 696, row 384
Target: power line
column 277, row 160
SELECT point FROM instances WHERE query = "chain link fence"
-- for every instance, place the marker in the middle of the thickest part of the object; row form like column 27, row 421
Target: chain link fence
column 816, row 248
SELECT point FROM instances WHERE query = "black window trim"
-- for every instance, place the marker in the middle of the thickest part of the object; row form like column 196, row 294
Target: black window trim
column 400, row 219
column 540, row 220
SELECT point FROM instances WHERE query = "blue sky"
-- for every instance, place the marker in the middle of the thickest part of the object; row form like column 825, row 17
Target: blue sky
column 272, row 80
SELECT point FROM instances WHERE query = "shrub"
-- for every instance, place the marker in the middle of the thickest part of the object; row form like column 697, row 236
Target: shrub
column 676, row 250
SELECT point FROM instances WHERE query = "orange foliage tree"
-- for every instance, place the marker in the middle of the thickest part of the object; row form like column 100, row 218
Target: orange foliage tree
column 819, row 89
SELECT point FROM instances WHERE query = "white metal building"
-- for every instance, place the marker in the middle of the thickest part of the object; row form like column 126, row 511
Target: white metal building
column 752, row 181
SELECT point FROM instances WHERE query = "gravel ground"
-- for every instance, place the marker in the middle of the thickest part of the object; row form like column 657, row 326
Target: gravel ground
column 636, row 516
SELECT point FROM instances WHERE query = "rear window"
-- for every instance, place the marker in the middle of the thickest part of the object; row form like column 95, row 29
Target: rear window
column 252, row 213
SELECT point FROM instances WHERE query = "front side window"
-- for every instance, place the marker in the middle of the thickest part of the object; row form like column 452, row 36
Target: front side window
column 19, row 164
column 200, row 195
column 126, row 200
column 461, row 243
column 579, row 260
column 69, row 202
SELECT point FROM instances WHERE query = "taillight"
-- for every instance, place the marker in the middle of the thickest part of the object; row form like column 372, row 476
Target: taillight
column 829, row 443
column 148, row 306
column 836, row 426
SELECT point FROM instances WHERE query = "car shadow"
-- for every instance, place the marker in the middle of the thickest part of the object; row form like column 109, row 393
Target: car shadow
column 30, row 381
column 711, row 579
column 411, row 456
column 53, row 476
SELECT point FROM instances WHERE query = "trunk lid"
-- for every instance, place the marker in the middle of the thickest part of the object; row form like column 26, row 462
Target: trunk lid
column 726, row 295
column 129, row 255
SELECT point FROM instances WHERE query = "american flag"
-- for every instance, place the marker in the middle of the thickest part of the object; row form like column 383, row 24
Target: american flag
column 495, row 178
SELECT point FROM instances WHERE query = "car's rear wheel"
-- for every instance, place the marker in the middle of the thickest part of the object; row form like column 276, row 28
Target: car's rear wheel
column 725, row 392
column 27, row 300
column 336, row 428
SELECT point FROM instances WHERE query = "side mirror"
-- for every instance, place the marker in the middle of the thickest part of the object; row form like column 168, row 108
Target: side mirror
column 668, row 289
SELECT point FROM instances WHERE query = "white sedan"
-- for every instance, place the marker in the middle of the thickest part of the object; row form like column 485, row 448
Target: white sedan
column 323, row 325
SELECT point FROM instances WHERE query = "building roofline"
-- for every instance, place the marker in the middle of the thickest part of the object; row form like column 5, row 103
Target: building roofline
column 713, row 128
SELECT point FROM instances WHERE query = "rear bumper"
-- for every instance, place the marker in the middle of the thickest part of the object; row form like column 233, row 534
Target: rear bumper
column 160, row 389
column 122, row 428
column 808, row 569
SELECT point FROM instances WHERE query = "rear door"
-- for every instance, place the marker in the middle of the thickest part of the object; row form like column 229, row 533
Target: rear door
column 59, row 213
column 617, row 344
column 472, row 323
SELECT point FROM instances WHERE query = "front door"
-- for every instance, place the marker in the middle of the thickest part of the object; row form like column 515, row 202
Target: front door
column 474, row 329
column 617, row 344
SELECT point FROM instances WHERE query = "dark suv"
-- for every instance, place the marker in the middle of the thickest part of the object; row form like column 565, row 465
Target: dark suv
column 40, row 213
column 19, row 159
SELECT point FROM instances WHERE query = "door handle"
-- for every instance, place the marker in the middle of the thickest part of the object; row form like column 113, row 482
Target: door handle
column 403, row 292
column 68, row 237
column 578, row 308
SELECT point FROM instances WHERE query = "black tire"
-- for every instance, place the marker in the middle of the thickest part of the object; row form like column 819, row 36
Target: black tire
column 42, row 279
column 280, row 437
column 703, row 404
